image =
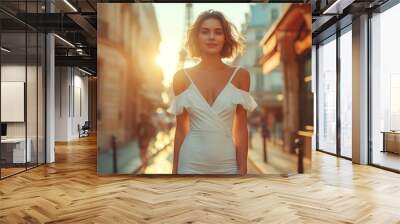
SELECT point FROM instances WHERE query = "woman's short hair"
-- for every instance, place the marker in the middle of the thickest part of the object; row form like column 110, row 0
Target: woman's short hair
column 233, row 39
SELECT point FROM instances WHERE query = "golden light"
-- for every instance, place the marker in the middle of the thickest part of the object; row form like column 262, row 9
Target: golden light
column 279, row 97
column 165, row 97
column 159, row 60
column 168, row 60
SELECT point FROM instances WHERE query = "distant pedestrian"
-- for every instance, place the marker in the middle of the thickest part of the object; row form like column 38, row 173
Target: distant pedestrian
column 265, row 133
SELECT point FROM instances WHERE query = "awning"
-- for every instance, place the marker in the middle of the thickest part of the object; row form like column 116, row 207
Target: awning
column 271, row 62
column 288, row 23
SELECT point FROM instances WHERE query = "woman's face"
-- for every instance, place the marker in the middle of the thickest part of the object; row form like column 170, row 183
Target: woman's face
column 211, row 36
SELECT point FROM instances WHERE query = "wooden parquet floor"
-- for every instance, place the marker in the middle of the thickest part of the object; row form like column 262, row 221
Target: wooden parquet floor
column 69, row 191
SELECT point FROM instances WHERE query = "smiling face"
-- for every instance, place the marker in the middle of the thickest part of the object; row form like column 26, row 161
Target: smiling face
column 211, row 37
column 213, row 34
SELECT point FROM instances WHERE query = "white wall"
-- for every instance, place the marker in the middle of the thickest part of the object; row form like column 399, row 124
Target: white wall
column 33, row 126
column 12, row 73
column 61, row 103
column 80, row 83
column 69, row 85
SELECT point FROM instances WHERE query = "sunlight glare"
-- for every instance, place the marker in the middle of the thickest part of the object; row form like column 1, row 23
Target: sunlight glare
column 168, row 60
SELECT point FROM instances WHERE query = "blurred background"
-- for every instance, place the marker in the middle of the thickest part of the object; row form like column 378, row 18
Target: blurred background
column 141, row 46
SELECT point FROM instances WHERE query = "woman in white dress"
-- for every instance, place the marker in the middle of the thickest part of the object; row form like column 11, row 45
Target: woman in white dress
column 211, row 102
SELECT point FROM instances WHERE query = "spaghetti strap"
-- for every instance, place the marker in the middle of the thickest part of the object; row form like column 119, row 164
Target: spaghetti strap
column 234, row 73
column 187, row 75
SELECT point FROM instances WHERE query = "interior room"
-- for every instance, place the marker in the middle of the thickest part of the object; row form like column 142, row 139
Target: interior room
column 385, row 89
column 22, row 100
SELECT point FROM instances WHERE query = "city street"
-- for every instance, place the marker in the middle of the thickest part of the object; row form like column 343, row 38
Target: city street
column 279, row 162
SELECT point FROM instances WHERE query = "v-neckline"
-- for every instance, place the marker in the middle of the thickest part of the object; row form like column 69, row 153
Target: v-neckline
column 218, row 95
column 204, row 99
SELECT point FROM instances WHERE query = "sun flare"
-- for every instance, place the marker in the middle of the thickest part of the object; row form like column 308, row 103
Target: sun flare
column 168, row 60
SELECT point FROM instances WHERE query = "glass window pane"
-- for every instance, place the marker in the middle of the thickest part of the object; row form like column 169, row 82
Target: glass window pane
column 23, row 87
column 13, row 87
column 385, row 89
column 346, row 94
column 31, row 97
column 41, row 98
column 327, row 97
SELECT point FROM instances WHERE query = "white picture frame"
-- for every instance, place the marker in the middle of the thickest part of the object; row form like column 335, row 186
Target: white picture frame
column 12, row 101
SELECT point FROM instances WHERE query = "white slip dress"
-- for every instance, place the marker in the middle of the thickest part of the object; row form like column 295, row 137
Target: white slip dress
column 208, row 148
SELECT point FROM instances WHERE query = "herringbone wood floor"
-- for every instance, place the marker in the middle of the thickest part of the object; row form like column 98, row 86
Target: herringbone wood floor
column 70, row 191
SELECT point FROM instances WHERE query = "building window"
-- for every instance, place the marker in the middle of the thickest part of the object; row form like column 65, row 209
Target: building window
column 274, row 14
column 259, row 35
column 327, row 96
column 346, row 94
column 385, row 89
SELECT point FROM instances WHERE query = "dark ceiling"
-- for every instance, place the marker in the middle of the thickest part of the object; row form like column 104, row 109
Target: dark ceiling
column 73, row 20
column 330, row 15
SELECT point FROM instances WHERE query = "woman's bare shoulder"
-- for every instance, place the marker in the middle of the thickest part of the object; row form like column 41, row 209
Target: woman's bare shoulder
column 242, row 79
column 180, row 82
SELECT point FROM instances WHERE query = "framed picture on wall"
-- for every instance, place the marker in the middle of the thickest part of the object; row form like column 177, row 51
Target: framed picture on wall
column 12, row 101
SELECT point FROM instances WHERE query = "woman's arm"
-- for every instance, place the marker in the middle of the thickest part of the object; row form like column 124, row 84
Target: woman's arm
column 182, row 128
column 240, row 129
column 241, row 136
column 182, row 120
